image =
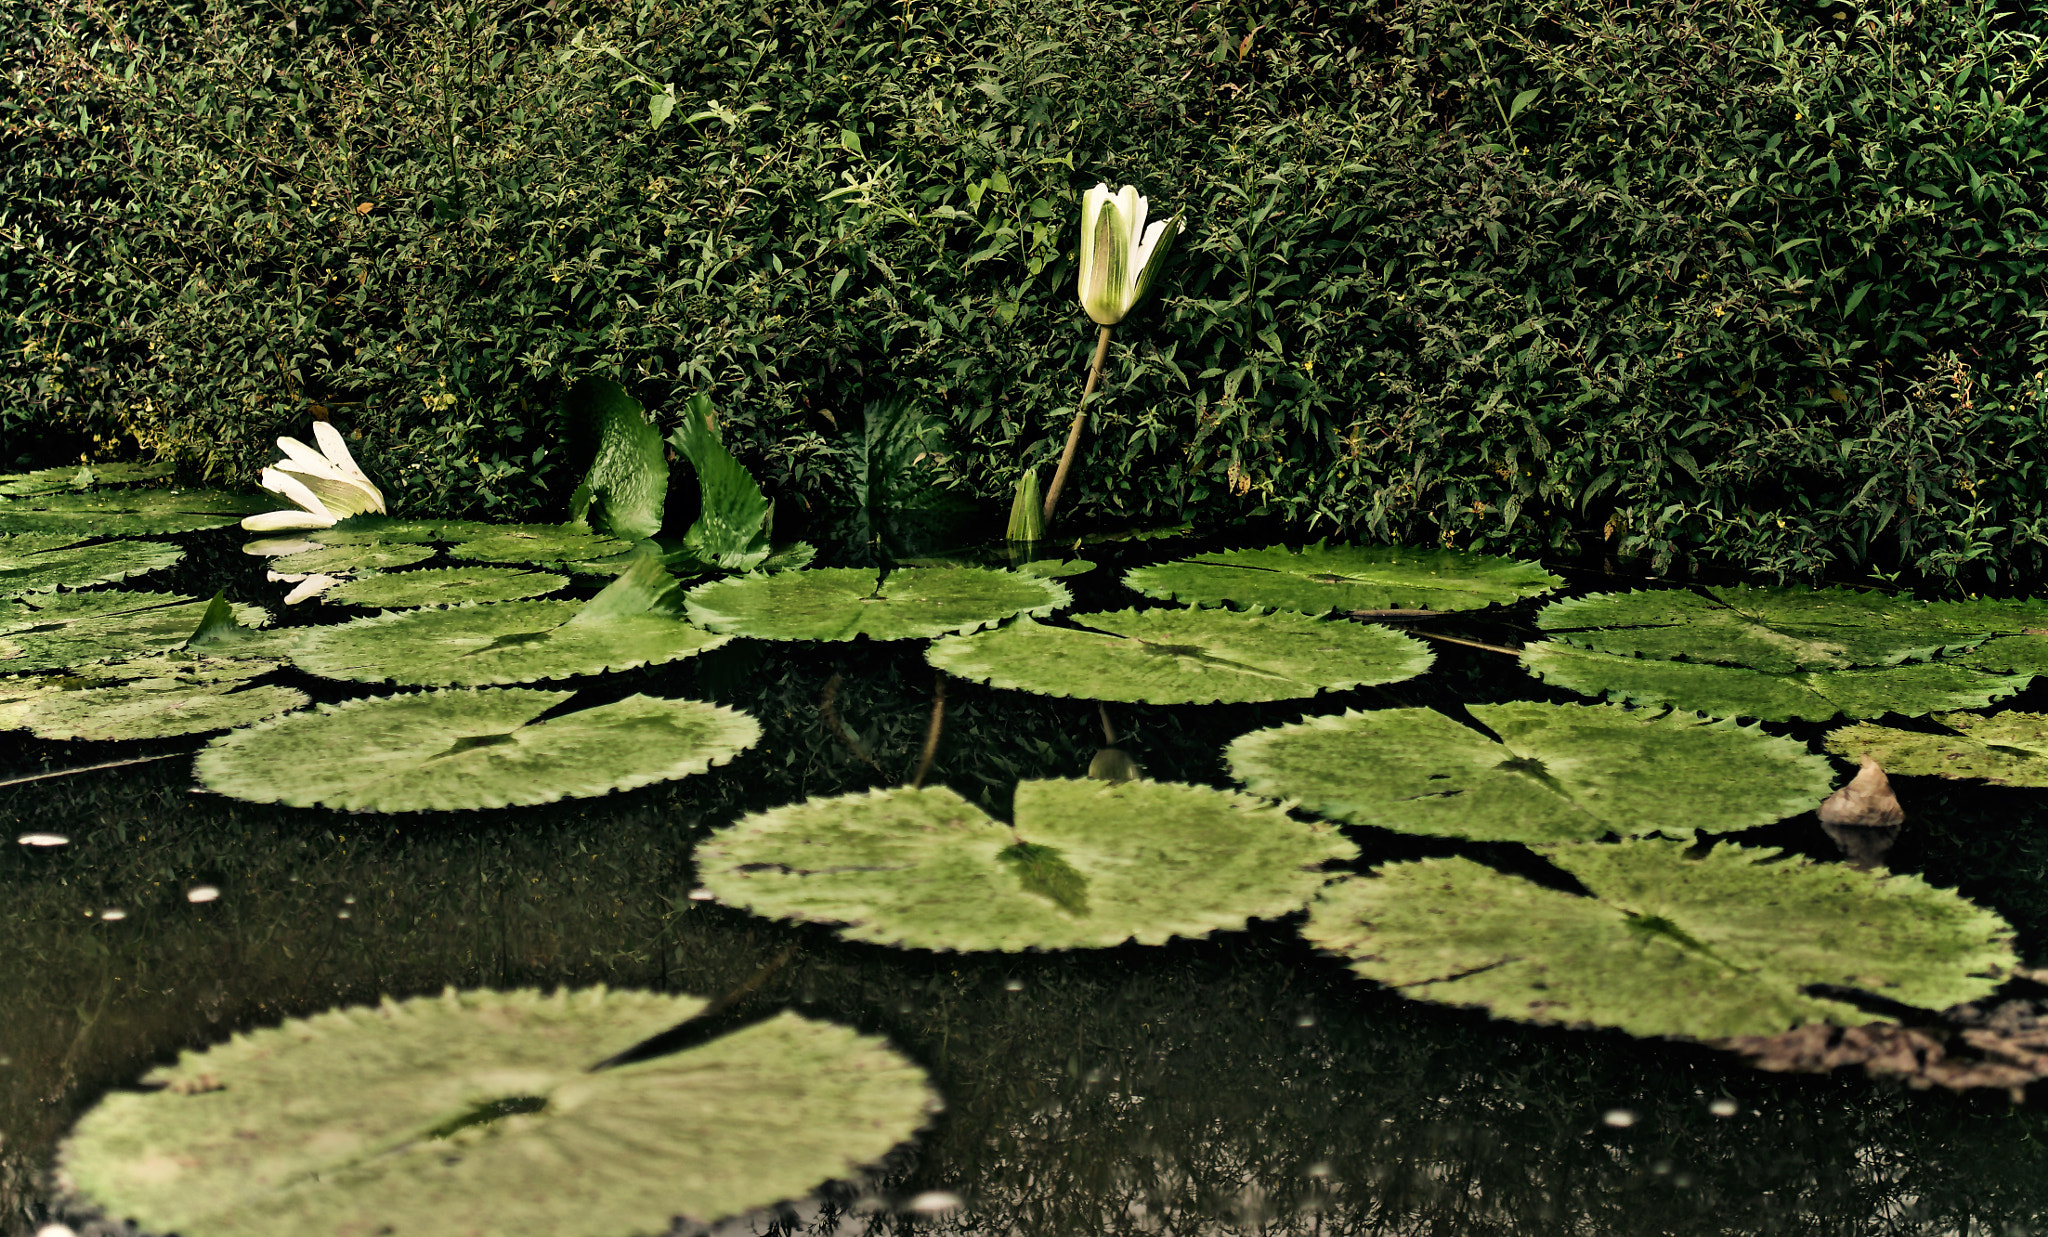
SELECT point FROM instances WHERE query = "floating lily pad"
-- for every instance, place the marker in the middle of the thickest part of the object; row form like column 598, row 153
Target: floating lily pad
column 445, row 586
column 128, row 513
column 1184, row 656
column 330, row 559
column 466, row 749
column 2007, row 749
column 1087, row 864
column 478, row 1112
column 1669, row 944
column 1727, row 691
column 840, row 603
column 2026, row 653
column 1319, row 579
column 1780, row 630
column 633, row 622
column 43, row 562
column 391, row 530
column 1557, row 773
column 538, row 543
column 80, row 477
column 142, row 708
column 77, row 629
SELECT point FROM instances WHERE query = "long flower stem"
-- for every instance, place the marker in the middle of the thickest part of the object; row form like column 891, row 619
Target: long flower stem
column 1059, row 477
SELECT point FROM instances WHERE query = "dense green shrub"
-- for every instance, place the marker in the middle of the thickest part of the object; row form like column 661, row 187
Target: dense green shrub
column 1703, row 280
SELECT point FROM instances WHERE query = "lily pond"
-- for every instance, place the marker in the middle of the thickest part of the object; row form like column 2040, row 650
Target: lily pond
column 564, row 879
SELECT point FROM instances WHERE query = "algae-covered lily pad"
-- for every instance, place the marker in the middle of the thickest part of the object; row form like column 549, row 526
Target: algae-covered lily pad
column 43, row 562
column 445, row 586
column 1556, row 773
column 1729, row 691
column 78, row 629
column 840, row 603
column 1087, row 864
column 1184, row 656
column 128, row 513
column 1668, row 944
column 479, row 1112
column 329, row 559
column 470, row 748
column 538, row 543
column 2007, row 749
column 633, row 622
column 1781, row 630
column 1321, row 578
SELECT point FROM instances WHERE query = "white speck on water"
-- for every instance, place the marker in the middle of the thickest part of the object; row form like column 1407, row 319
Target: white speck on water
column 1013, row 985
column 113, row 913
column 1723, row 1108
column 349, row 900
column 341, row 914
column 702, row 895
column 56, row 1230
column 1305, row 1021
column 201, row 893
column 933, row 1201
column 1619, row 1118
column 44, row 839
column 1319, row 1170
column 1661, row 1168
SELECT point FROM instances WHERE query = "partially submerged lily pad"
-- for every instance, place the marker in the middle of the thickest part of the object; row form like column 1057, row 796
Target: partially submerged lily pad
column 445, row 586
column 1728, row 691
column 128, row 513
column 2006, row 749
column 330, row 559
column 538, row 543
column 1184, row 656
column 44, row 562
column 1319, row 579
column 479, row 1112
column 77, row 629
column 840, row 603
column 1557, row 773
column 1086, row 864
column 1669, row 944
column 466, row 749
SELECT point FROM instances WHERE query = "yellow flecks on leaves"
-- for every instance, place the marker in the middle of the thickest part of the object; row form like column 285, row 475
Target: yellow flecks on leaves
column 1613, row 527
column 1238, row 480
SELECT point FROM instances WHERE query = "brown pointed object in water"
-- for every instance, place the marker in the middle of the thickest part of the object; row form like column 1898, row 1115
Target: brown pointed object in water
column 1867, row 801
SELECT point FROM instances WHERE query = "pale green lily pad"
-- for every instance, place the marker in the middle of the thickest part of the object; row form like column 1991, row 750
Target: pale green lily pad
column 840, row 603
column 1557, row 773
column 1780, row 630
column 78, row 629
column 1319, row 579
column 1727, row 691
column 44, row 562
column 445, row 586
column 478, row 1112
column 78, row 477
column 1184, row 656
column 129, row 513
column 1087, row 864
column 469, row 748
column 2006, row 749
column 1669, row 944
column 144, row 708
column 335, row 559
column 538, row 543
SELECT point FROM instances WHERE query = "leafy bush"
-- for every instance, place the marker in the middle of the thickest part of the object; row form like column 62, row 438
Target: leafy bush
column 1711, row 280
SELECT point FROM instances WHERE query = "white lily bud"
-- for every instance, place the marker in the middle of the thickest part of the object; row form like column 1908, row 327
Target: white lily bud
column 1119, row 253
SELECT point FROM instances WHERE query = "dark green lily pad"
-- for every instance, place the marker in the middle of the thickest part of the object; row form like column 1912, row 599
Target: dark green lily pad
column 128, row 513
column 538, row 543
column 2005, row 749
column 1087, row 864
column 478, row 1112
column 840, row 603
column 1184, row 656
column 444, row 586
column 78, row 629
column 44, row 562
column 469, row 749
column 1669, row 943
column 1320, row 578
column 333, row 559
column 1557, row 773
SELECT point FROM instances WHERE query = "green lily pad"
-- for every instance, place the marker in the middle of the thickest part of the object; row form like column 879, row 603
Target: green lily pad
column 469, row 748
column 478, row 1112
column 622, row 495
column 538, row 543
column 391, row 530
column 1087, row 864
column 1669, row 944
column 333, row 559
column 2026, row 653
column 157, row 707
column 1320, row 578
column 1780, row 630
column 78, row 629
column 44, row 562
column 77, row 477
column 2007, row 749
column 633, row 622
column 445, row 586
column 840, row 603
column 1184, row 656
column 1557, row 773
column 129, row 513
column 1727, row 691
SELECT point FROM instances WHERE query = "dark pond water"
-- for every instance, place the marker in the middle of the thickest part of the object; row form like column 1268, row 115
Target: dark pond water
column 1236, row 1085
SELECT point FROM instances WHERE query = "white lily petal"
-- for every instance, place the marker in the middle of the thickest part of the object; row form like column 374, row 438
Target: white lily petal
column 284, row 485
column 272, row 547
column 282, row 521
column 342, row 496
column 313, row 586
column 296, row 452
column 336, row 447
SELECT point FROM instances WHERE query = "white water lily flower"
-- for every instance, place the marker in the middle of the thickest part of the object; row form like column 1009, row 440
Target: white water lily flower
column 326, row 484
column 1119, row 254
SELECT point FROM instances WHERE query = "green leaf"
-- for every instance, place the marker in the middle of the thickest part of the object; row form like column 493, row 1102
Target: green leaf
column 2008, row 749
column 75, row 477
column 1522, row 100
column 645, row 587
column 1669, row 944
column 1319, row 579
column 1557, row 773
column 77, row 629
column 731, row 529
column 333, row 559
column 1184, row 656
column 1728, row 691
column 468, row 749
column 389, row 530
column 840, row 603
column 623, row 493
column 444, row 586
column 144, row 708
column 537, row 543
column 479, row 1112
column 1027, row 514
column 129, row 513
column 1088, row 864
column 44, row 562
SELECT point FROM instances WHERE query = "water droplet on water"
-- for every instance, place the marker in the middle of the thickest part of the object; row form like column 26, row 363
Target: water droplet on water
column 702, row 895
column 1722, row 1108
column 201, row 893
column 1619, row 1118
column 44, row 839
column 113, row 913
column 1013, row 985
column 932, row 1201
